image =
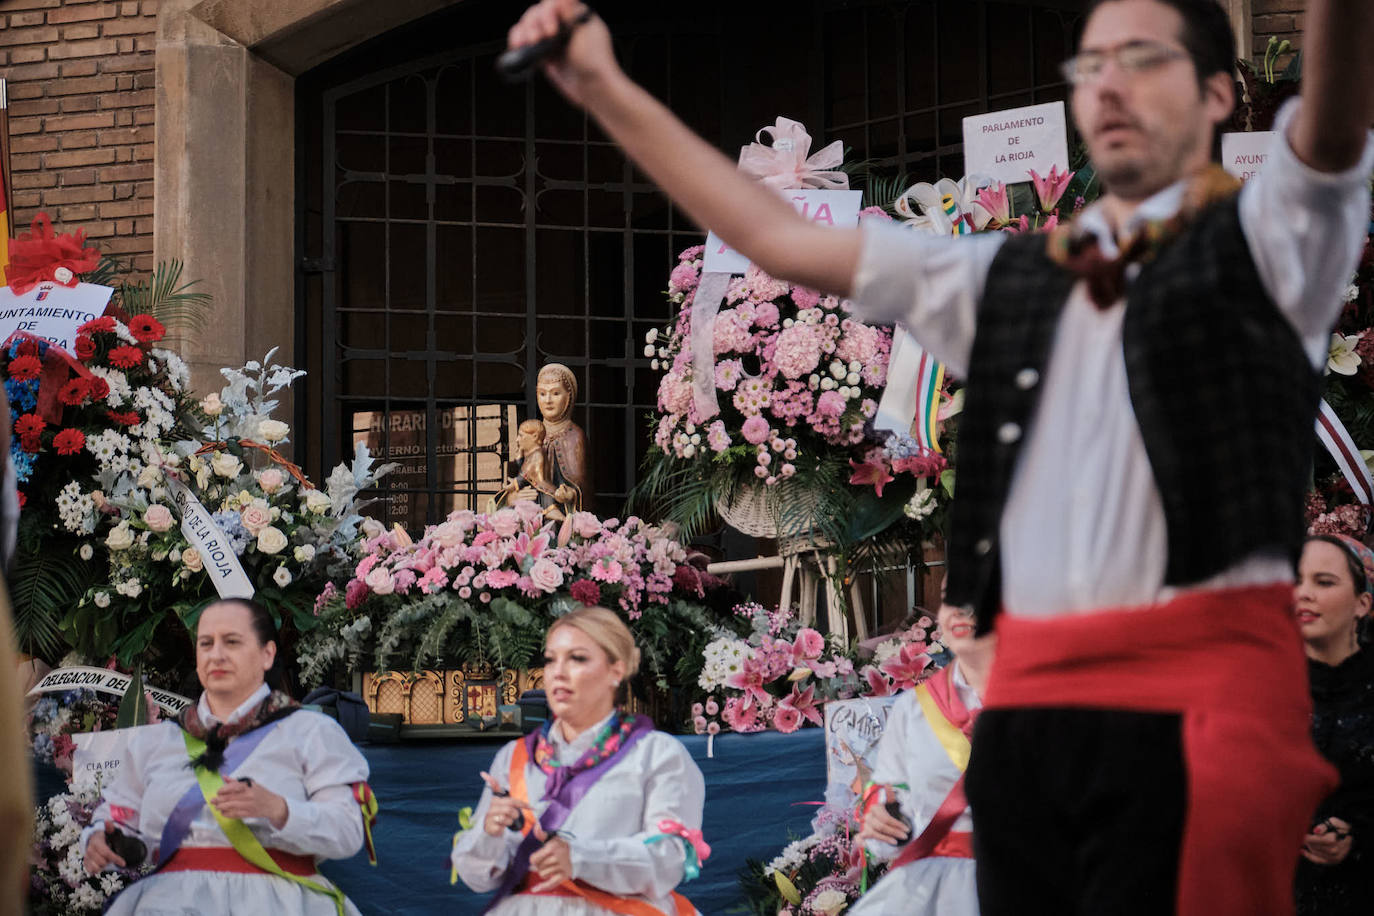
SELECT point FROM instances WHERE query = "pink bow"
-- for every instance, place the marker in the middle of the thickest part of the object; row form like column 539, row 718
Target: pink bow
column 694, row 837
column 784, row 164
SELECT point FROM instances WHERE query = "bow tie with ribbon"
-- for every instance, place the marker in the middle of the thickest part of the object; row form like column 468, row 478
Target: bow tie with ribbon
column 693, row 844
column 785, row 163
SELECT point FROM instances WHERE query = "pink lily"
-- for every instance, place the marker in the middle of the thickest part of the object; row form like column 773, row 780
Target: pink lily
column 1018, row 225
column 804, row 703
column 996, row 202
column 1050, row 223
column 750, row 679
column 907, row 666
column 871, row 471
column 526, row 546
column 878, row 684
column 1052, row 187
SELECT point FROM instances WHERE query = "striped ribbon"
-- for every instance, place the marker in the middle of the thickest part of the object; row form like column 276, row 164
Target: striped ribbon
column 910, row 404
column 1333, row 434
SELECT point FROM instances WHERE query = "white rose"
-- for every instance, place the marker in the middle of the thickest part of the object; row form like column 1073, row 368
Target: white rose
column 317, row 502
column 271, row 540
column 120, row 537
column 133, row 588
column 226, row 465
column 159, row 518
column 282, row 577
column 87, row 551
column 212, row 405
column 255, row 518
column 102, row 599
column 371, row 528
column 271, row 480
column 272, row 430
column 829, row 901
column 304, row 553
column 149, row 477
column 190, row 558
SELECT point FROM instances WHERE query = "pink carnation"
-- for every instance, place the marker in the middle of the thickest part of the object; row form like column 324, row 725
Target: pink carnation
column 716, row 436
column 755, row 429
column 501, row 578
column 585, row 592
column 830, row 404
column 766, row 316
column 683, row 279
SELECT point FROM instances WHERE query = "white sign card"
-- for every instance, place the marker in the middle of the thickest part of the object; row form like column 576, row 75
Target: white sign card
column 830, row 208
column 101, row 754
column 52, row 311
column 1006, row 145
column 104, row 680
column 1243, row 154
column 852, row 731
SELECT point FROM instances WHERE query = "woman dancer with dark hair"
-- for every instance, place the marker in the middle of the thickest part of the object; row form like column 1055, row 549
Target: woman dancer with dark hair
column 240, row 797
column 1332, row 599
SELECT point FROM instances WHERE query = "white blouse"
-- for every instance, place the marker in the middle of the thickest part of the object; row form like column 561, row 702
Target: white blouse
column 306, row 758
column 656, row 779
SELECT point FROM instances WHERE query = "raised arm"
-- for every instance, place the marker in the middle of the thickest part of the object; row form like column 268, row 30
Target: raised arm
column 1338, row 84
column 703, row 182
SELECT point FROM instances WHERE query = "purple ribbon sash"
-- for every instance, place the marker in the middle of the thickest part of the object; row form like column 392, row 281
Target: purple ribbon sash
column 562, row 791
column 179, row 821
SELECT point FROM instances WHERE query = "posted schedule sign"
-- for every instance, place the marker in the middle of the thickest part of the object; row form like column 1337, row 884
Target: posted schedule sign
column 1006, row 145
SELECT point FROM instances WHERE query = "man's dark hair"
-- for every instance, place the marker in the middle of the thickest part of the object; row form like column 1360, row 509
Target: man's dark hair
column 1206, row 34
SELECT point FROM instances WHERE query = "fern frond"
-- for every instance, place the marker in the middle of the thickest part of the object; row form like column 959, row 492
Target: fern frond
column 44, row 586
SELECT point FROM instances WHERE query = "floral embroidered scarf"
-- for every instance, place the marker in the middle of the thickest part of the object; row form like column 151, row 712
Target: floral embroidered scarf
column 277, row 705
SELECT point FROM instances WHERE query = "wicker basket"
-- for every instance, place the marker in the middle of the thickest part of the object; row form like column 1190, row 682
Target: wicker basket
column 756, row 510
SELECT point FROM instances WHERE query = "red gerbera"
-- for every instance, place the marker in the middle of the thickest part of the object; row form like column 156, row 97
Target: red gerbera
column 29, row 425
column 74, row 392
column 126, row 357
column 100, row 389
column 23, row 498
column 146, row 328
column 125, row 418
column 69, row 441
column 31, row 444
column 103, row 323
column 23, row 368
column 28, row 348
column 85, row 347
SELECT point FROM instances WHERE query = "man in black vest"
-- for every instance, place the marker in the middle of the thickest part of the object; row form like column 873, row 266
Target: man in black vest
column 1141, row 394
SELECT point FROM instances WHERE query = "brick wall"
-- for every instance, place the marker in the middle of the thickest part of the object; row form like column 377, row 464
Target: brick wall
column 81, row 117
column 1280, row 18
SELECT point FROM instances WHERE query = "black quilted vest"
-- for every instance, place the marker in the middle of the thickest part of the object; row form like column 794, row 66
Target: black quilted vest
column 1218, row 379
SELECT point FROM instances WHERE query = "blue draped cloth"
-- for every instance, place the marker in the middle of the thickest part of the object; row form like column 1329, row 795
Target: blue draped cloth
column 753, row 785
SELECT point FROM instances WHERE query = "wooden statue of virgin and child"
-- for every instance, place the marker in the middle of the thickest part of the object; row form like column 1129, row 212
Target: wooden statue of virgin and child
column 552, row 452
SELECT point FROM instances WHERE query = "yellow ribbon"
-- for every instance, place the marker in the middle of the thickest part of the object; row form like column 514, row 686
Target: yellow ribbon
column 955, row 742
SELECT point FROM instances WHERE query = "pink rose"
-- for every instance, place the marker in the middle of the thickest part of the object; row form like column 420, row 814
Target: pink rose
column 380, row 581
column 712, row 707
column 697, row 709
column 528, row 510
column 158, row 518
column 699, row 724
column 755, row 429
column 271, row 480
column 255, row 518
column 505, row 523
column 586, row 525
column 545, row 575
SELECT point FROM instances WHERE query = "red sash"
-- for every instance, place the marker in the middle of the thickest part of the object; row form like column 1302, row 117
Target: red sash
column 616, row 904
column 227, row 858
column 936, row 839
column 1229, row 662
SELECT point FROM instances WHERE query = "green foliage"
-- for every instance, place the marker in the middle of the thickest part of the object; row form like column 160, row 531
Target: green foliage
column 164, row 296
column 132, row 709
column 44, row 584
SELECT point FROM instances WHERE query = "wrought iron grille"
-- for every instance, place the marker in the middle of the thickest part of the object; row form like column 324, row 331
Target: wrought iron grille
column 457, row 233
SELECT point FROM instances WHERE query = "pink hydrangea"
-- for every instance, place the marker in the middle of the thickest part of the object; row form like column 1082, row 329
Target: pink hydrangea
column 674, row 394
column 691, row 254
column 857, row 341
column 798, row 350
column 684, row 278
column 805, row 298
column 755, row 429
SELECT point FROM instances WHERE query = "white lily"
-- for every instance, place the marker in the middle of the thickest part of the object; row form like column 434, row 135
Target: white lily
column 1342, row 358
column 943, row 205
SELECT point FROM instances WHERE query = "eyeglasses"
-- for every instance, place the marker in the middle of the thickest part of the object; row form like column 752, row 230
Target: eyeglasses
column 1132, row 57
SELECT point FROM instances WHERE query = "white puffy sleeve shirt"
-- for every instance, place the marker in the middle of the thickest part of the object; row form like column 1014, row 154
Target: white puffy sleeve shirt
column 656, row 779
column 306, row 758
